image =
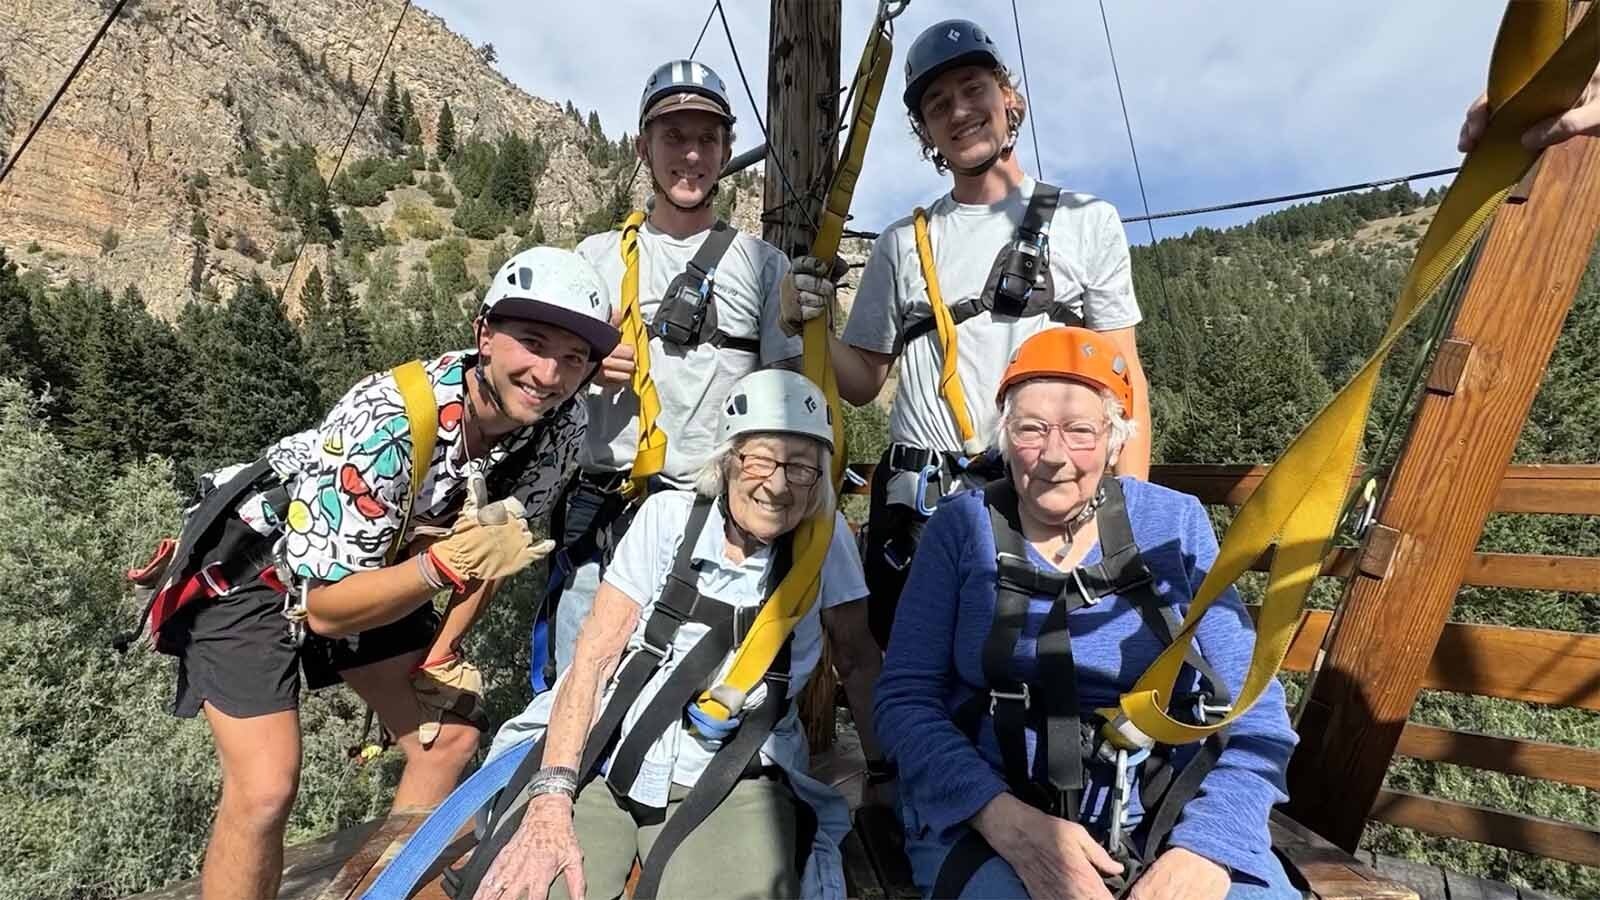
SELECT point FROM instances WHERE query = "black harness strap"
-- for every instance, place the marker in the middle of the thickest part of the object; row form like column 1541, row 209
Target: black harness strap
column 687, row 316
column 1019, row 282
column 725, row 770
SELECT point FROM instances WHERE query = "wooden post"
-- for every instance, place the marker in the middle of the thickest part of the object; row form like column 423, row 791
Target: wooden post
column 1442, row 490
column 802, row 112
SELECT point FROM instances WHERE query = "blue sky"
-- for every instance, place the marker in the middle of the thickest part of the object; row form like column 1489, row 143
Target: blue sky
column 1228, row 100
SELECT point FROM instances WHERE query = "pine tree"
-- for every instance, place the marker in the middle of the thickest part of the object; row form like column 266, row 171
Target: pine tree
column 257, row 386
column 511, row 179
column 393, row 120
column 338, row 347
column 25, row 358
column 411, row 127
column 445, row 133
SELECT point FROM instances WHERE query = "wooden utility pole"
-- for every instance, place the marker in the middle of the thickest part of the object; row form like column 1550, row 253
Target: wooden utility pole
column 1483, row 380
column 802, row 115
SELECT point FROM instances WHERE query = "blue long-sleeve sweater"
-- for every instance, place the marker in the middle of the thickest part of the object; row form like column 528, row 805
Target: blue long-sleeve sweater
column 935, row 663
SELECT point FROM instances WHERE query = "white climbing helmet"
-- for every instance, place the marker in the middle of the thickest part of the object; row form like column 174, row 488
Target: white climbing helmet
column 777, row 401
column 545, row 284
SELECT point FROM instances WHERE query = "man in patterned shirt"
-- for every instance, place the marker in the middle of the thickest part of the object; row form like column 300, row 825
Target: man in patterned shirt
column 319, row 558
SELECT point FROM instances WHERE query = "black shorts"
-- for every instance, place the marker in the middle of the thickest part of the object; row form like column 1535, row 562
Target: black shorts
column 235, row 652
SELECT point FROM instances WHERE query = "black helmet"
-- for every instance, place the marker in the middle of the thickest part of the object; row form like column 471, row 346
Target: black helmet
column 943, row 46
column 691, row 85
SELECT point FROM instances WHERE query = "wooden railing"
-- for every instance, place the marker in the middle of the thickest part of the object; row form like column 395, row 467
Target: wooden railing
column 1553, row 668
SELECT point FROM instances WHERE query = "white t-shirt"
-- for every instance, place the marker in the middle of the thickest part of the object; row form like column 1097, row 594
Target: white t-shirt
column 1088, row 264
column 644, row 559
column 691, row 384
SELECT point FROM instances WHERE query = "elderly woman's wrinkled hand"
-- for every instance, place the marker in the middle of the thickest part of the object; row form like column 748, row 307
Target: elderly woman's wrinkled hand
column 1052, row 856
column 544, row 847
column 1180, row 874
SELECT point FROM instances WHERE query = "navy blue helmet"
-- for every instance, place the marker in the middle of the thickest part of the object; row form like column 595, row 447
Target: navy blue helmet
column 944, row 46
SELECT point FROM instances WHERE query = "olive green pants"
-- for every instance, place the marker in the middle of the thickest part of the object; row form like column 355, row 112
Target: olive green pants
column 745, row 850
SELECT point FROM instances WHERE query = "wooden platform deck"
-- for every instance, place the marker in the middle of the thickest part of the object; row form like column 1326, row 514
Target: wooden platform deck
column 312, row 871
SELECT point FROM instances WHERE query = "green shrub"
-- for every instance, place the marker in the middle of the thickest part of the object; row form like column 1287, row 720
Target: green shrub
column 109, row 239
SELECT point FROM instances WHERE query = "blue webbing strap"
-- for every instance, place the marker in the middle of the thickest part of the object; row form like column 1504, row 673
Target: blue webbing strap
column 399, row 878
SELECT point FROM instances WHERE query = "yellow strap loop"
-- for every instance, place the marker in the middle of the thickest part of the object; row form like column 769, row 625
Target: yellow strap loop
column 1297, row 504
column 794, row 596
column 949, row 378
column 422, row 417
column 652, row 453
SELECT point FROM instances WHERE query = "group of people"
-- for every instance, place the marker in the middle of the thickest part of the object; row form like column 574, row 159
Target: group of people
column 1016, row 572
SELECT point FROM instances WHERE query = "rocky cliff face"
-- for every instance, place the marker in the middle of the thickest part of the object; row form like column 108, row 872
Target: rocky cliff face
column 179, row 88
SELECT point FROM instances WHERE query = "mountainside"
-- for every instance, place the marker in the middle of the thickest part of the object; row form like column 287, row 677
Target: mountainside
column 188, row 110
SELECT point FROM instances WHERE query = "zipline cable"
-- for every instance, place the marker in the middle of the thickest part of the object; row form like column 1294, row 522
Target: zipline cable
column 1138, row 173
column 371, row 85
column 1303, row 195
column 1027, row 94
column 62, row 90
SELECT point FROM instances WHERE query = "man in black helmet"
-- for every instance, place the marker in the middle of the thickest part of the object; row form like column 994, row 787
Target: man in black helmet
column 1008, row 256
column 708, row 304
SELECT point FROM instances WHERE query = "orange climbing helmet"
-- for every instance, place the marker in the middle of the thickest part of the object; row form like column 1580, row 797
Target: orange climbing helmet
column 1079, row 354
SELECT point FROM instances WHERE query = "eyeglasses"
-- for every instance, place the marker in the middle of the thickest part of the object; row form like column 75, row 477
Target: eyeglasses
column 796, row 473
column 1031, row 434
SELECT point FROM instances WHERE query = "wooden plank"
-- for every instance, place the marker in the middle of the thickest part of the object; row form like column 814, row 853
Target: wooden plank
column 860, row 878
column 1534, row 759
column 1442, row 489
column 307, row 866
column 356, row 869
column 1471, row 887
column 1329, row 872
column 1427, row 880
column 1534, row 572
column 1548, row 838
column 1554, row 668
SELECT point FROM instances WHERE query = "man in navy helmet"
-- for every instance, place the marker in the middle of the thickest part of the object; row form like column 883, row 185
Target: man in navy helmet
column 1010, row 256
column 709, row 298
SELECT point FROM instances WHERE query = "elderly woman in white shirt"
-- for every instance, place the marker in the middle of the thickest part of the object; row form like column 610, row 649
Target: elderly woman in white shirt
column 684, row 587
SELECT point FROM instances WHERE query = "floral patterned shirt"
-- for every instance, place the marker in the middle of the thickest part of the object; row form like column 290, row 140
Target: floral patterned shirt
column 349, row 478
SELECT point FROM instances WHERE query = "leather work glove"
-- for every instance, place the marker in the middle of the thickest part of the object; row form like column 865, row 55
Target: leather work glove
column 809, row 290
column 450, row 685
column 490, row 541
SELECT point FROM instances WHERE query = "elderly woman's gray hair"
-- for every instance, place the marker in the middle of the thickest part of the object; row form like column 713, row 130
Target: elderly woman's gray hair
column 714, row 476
column 1120, row 426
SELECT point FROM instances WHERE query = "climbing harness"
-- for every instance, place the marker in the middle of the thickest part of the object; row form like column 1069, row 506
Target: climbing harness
column 687, row 316
column 1047, row 702
column 798, row 589
column 1534, row 73
column 680, row 602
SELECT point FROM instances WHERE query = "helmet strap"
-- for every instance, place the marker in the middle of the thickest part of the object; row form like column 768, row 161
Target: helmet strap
column 1013, row 126
column 723, row 506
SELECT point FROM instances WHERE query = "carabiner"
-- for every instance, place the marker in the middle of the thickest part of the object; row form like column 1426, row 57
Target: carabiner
column 926, row 474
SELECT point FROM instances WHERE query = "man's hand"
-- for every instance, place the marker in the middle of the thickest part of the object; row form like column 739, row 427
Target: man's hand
column 1180, row 874
column 449, row 685
column 1582, row 119
column 1053, row 857
column 807, row 292
column 544, row 847
column 616, row 370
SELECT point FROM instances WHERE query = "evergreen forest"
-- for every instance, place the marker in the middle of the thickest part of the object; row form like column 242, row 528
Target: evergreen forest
column 108, row 413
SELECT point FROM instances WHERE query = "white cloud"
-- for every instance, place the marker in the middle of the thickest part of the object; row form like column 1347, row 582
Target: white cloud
column 1228, row 100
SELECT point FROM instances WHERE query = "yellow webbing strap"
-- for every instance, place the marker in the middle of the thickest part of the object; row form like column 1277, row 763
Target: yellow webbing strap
column 794, row 596
column 1297, row 505
column 949, row 379
column 652, row 453
column 422, row 414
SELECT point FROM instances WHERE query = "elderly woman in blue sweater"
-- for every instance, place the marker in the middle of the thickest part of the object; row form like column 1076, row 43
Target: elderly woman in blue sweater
column 1034, row 603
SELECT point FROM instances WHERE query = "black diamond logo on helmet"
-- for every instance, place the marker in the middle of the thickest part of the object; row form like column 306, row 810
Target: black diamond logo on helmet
column 811, row 404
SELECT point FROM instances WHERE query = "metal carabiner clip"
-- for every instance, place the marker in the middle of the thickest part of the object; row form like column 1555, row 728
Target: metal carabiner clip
column 1121, row 792
column 927, row 474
